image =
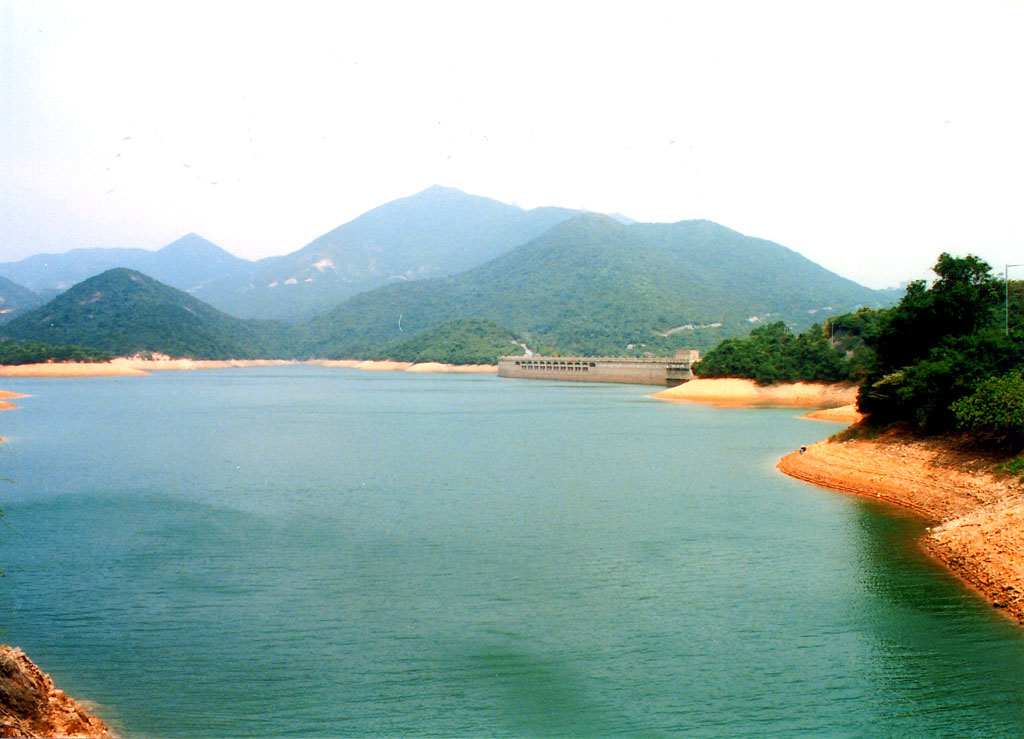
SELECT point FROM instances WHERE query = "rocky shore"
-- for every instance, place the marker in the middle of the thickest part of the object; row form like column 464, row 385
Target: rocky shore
column 976, row 517
column 31, row 706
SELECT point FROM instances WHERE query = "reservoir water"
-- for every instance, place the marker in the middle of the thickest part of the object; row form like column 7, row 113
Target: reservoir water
column 299, row 552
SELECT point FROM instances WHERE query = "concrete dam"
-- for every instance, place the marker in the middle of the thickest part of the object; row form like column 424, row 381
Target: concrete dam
column 640, row 371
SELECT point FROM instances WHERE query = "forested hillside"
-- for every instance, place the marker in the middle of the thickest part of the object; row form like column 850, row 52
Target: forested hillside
column 592, row 285
column 774, row 354
column 124, row 312
column 15, row 299
column 467, row 341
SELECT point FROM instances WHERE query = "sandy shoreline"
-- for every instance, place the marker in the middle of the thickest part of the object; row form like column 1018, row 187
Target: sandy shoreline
column 125, row 366
column 843, row 414
column 976, row 518
column 166, row 364
column 737, row 392
column 69, row 369
column 5, row 403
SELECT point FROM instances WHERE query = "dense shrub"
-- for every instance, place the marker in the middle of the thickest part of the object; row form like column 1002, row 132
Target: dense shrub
column 13, row 352
column 942, row 345
column 773, row 354
column 995, row 408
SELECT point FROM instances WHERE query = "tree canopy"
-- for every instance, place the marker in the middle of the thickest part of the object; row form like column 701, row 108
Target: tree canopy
column 13, row 352
column 943, row 357
column 773, row 354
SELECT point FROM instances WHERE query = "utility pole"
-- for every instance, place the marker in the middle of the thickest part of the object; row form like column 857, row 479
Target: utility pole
column 1006, row 298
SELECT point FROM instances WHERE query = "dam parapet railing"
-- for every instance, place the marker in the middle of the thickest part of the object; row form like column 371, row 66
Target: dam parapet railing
column 634, row 370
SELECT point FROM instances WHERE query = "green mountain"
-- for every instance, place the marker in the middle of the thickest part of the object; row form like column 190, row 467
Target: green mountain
column 593, row 285
column 436, row 232
column 589, row 284
column 15, row 299
column 125, row 312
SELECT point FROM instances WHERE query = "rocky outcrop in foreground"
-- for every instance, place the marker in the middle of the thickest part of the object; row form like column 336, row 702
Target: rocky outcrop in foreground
column 30, row 704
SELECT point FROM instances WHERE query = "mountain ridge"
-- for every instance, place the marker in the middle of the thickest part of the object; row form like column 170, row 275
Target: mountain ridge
column 189, row 259
column 586, row 283
column 437, row 231
column 593, row 285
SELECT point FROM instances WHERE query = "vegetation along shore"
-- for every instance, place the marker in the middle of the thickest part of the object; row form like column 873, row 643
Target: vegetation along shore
column 939, row 419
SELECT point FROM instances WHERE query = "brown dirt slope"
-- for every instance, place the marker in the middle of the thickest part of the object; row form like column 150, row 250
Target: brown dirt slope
column 977, row 517
column 30, row 704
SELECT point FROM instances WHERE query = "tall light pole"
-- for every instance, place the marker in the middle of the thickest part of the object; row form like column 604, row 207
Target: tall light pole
column 1006, row 299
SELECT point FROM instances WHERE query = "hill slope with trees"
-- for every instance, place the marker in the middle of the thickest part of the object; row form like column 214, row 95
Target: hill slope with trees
column 16, row 299
column 465, row 341
column 773, row 354
column 945, row 351
column 592, row 285
column 589, row 285
column 124, row 312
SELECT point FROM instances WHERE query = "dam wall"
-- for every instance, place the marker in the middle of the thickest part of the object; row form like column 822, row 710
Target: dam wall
column 645, row 371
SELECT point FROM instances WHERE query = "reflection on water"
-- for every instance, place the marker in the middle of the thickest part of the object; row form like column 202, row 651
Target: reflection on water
column 925, row 651
column 293, row 551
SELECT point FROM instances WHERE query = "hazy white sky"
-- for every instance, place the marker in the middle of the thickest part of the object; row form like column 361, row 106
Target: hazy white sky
column 867, row 136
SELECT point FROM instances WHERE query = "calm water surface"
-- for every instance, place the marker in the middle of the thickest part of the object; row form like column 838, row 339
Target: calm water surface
column 299, row 551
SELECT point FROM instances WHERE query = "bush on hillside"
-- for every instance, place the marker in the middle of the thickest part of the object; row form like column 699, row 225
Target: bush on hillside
column 995, row 408
column 773, row 354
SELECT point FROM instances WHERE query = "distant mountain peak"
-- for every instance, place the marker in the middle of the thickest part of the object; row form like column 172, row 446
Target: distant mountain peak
column 589, row 221
column 443, row 194
column 189, row 241
column 442, row 189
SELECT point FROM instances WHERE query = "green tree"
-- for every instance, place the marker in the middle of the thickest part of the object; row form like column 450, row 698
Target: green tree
column 938, row 346
column 960, row 302
column 856, row 336
column 773, row 354
column 995, row 408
